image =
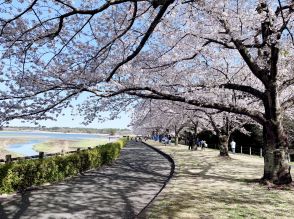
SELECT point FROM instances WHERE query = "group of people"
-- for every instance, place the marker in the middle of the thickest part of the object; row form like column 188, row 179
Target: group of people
column 196, row 143
column 165, row 139
column 201, row 143
column 190, row 140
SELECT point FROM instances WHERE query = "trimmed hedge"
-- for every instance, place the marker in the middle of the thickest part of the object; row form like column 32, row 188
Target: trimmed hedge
column 18, row 176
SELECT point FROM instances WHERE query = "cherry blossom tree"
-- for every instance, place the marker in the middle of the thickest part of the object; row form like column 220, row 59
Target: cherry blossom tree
column 162, row 114
column 52, row 51
column 233, row 56
column 245, row 59
column 150, row 116
column 223, row 125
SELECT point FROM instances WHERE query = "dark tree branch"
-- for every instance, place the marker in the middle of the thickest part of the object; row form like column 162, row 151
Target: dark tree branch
column 247, row 89
column 289, row 103
column 286, row 84
column 146, row 92
column 144, row 39
column 18, row 16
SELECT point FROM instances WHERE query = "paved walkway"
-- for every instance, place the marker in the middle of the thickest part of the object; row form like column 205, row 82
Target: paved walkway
column 121, row 190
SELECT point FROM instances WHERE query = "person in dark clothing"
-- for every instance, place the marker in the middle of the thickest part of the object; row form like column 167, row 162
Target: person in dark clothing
column 169, row 139
column 190, row 141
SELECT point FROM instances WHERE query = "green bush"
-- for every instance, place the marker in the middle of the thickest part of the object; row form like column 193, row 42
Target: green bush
column 20, row 175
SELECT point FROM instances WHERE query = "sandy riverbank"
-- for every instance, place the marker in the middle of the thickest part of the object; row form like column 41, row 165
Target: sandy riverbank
column 58, row 145
column 6, row 141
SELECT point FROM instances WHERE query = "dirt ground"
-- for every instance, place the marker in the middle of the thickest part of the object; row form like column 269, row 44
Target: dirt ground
column 207, row 186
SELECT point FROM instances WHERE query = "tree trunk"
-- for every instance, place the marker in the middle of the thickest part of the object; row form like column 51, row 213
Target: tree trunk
column 176, row 140
column 223, row 145
column 196, row 129
column 176, row 136
column 276, row 164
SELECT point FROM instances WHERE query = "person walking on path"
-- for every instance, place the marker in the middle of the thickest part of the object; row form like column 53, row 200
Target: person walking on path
column 204, row 145
column 233, row 146
column 197, row 142
column 190, row 141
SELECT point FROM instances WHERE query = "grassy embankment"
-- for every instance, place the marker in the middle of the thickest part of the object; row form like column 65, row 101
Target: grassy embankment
column 56, row 145
column 207, row 186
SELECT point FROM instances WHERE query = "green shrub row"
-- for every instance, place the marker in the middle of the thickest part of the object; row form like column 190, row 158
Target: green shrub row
column 18, row 176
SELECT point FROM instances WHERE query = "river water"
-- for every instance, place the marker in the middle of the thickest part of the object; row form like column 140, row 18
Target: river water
column 26, row 148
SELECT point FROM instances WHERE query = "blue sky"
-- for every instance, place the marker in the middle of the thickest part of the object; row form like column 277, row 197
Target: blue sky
column 68, row 121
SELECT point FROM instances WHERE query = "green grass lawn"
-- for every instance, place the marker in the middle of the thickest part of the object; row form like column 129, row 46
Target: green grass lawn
column 57, row 145
column 207, row 186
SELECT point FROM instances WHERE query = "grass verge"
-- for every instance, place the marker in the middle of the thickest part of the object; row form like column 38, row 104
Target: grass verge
column 207, row 186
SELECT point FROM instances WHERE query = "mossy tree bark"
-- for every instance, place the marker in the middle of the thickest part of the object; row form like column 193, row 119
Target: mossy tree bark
column 223, row 145
column 276, row 164
column 178, row 129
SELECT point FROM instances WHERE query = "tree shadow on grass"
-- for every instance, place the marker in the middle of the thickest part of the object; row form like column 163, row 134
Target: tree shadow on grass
column 211, row 167
column 209, row 204
column 228, row 179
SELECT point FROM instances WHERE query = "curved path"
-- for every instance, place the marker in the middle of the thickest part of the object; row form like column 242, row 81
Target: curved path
column 121, row 190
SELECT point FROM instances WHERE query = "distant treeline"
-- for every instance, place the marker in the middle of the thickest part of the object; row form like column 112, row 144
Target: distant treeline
column 110, row 131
